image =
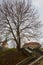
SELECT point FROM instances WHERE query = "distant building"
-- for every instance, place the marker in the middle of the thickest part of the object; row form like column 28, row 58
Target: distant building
column 4, row 44
column 32, row 45
column 32, row 48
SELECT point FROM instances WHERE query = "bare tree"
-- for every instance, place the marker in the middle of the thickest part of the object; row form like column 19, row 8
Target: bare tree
column 19, row 18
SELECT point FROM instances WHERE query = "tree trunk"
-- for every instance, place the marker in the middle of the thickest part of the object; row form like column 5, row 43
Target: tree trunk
column 18, row 47
column 18, row 38
column 19, row 42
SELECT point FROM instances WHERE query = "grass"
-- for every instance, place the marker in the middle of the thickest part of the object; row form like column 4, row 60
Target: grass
column 41, row 48
column 11, row 57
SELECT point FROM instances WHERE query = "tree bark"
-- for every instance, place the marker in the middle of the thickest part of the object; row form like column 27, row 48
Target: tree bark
column 18, row 38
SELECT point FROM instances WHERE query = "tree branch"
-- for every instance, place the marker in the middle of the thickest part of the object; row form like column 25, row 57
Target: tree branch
column 12, row 32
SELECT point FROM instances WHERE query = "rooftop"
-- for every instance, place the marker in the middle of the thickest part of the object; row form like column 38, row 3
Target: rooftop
column 32, row 45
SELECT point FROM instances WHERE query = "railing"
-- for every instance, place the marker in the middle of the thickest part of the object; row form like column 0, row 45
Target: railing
column 25, row 61
column 36, row 60
column 27, row 51
column 28, row 60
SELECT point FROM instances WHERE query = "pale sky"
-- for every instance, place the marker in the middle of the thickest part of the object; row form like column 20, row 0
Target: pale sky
column 39, row 5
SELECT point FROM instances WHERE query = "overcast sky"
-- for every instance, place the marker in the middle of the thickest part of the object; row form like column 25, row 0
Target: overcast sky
column 39, row 5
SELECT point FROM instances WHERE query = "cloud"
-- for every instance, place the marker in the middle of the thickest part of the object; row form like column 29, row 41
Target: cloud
column 38, row 3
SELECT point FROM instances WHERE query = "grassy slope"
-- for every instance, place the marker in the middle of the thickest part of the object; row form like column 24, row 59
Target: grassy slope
column 11, row 57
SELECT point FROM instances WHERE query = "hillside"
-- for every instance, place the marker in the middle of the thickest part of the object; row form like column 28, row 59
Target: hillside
column 11, row 57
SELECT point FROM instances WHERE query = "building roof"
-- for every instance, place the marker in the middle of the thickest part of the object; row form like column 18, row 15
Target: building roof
column 4, row 44
column 32, row 45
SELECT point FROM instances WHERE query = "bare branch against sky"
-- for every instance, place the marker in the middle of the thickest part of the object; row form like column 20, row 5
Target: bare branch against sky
column 20, row 19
